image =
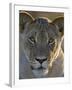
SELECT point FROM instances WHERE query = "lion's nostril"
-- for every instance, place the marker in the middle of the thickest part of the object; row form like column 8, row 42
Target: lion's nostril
column 41, row 60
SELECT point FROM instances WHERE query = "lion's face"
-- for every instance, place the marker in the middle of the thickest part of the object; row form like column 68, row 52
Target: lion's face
column 41, row 43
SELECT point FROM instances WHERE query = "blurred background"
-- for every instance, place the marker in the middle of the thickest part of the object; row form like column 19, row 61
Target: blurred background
column 50, row 15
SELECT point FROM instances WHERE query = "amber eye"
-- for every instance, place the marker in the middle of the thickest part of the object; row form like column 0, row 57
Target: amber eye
column 51, row 41
column 31, row 40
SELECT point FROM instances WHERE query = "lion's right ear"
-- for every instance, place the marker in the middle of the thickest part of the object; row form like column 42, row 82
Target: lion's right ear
column 24, row 18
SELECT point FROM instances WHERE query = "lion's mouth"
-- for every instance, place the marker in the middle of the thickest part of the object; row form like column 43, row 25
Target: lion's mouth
column 39, row 68
column 39, row 72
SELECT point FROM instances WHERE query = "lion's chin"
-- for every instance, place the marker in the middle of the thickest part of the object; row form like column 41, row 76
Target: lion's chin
column 40, row 73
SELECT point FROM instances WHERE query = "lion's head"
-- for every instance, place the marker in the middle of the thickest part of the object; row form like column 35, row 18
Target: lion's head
column 41, row 41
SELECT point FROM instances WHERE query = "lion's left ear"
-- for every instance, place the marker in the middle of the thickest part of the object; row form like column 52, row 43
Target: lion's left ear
column 60, row 23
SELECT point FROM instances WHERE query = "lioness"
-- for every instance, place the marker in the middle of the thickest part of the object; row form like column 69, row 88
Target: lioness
column 41, row 54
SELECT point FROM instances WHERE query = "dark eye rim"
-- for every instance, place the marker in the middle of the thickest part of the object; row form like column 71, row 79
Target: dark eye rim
column 51, row 41
column 53, row 45
column 31, row 40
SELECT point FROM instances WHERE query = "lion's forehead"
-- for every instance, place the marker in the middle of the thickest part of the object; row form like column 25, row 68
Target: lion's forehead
column 42, row 35
column 42, row 31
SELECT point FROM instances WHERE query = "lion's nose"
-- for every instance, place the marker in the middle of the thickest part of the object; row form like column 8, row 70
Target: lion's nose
column 41, row 60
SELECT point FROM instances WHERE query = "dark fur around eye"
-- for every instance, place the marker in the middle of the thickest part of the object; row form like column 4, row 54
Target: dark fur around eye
column 51, row 44
column 51, row 41
column 31, row 40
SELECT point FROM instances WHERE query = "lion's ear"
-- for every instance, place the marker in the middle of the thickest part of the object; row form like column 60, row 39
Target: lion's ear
column 24, row 18
column 60, row 23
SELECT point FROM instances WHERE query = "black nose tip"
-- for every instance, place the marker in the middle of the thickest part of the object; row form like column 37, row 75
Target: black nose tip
column 41, row 60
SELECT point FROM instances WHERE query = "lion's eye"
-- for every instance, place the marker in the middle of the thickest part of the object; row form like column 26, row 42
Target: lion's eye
column 31, row 40
column 51, row 41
